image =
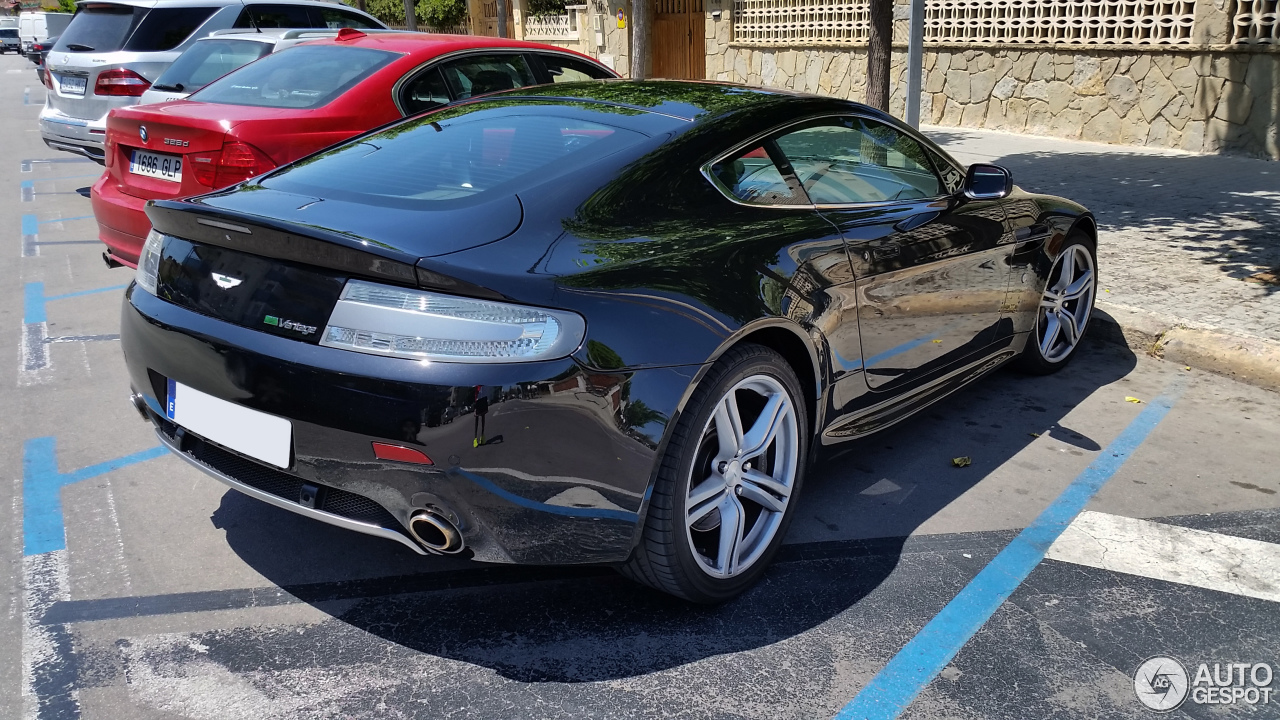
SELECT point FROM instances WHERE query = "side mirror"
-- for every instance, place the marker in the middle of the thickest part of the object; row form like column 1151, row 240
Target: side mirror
column 987, row 182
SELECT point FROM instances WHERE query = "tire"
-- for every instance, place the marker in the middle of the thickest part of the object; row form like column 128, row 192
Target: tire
column 1064, row 309
column 686, row 556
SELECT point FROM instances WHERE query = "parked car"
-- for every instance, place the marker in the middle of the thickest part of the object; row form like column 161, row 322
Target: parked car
column 209, row 58
column 760, row 274
column 9, row 41
column 293, row 103
column 39, row 53
column 36, row 26
column 112, row 51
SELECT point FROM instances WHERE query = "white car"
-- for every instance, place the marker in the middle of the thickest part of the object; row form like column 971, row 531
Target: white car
column 112, row 51
column 209, row 58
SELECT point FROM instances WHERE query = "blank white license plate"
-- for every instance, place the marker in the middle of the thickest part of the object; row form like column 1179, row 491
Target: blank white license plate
column 72, row 85
column 156, row 165
column 256, row 434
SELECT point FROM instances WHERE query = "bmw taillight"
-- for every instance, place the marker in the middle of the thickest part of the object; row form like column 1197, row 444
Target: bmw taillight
column 121, row 82
column 234, row 163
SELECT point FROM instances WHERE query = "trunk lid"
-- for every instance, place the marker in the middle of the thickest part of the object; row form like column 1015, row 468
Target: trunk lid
column 169, row 135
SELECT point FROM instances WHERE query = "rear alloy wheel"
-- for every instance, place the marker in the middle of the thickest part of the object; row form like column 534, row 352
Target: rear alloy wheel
column 728, row 481
column 1065, row 308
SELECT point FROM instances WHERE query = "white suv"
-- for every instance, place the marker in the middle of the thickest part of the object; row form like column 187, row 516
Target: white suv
column 112, row 51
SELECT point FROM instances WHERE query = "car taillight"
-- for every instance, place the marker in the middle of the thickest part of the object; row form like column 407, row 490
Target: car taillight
column 121, row 83
column 44, row 75
column 234, row 163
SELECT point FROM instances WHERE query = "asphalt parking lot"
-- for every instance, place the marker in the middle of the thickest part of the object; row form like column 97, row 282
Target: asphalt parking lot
column 136, row 587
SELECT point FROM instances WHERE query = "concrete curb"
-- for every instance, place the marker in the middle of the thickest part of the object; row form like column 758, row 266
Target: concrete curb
column 1251, row 360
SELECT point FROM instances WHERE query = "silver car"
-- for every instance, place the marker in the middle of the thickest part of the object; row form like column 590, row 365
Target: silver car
column 209, row 58
column 112, row 51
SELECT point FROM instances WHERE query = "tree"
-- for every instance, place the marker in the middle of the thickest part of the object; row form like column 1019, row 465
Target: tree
column 410, row 16
column 640, row 11
column 879, row 49
column 67, row 6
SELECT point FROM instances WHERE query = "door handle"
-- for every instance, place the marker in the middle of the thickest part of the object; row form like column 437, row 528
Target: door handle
column 916, row 221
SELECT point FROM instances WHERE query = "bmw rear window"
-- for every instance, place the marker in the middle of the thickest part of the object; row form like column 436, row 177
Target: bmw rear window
column 453, row 157
column 305, row 76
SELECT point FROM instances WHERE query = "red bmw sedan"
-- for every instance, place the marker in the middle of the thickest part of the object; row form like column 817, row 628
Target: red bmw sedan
column 292, row 103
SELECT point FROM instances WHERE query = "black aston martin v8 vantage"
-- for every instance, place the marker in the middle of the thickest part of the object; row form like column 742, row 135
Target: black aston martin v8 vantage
column 607, row 322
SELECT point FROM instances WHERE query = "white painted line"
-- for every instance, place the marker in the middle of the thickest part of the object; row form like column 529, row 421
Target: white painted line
column 1174, row 554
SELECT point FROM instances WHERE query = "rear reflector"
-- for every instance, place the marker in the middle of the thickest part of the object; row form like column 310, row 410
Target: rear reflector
column 121, row 83
column 397, row 453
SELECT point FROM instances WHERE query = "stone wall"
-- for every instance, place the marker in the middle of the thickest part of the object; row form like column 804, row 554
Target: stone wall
column 1201, row 101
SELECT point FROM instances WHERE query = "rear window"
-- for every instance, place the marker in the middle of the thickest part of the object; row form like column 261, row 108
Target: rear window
column 109, row 28
column 305, row 76
column 453, row 157
column 100, row 28
column 165, row 28
column 208, row 60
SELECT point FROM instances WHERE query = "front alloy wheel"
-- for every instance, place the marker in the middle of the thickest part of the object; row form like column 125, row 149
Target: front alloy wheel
column 1065, row 308
column 728, row 480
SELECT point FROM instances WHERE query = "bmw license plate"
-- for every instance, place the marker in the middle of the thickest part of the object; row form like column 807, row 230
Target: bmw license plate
column 72, row 84
column 256, row 434
column 156, row 165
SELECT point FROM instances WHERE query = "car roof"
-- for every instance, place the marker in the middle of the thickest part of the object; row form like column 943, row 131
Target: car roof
column 205, row 3
column 690, row 100
column 270, row 35
column 434, row 43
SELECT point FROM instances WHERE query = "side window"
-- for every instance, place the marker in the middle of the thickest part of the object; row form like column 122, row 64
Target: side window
column 334, row 19
column 424, row 92
column 752, row 177
column 854, row 160
column 567, row 69
column 479, row 74
column 166, row 28
column 274, row 16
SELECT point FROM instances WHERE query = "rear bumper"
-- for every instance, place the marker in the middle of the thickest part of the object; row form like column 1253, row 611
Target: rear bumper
column 122, row 220
column 75, row 135
column 562, row 478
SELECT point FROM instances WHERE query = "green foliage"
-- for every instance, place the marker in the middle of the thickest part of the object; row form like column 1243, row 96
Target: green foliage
column 67, row 6
column 433, row 14
column 546, row 7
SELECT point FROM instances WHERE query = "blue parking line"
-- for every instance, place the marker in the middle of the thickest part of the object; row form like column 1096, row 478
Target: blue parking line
column 54, row 220
column 34, row 299
column 65, row 177
column 30, row 226
column 42, row 526
column 920, row 661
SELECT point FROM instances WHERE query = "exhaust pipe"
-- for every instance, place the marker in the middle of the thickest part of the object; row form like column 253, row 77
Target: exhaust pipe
column 140, row 405
column 435, row 532
column 111, row 262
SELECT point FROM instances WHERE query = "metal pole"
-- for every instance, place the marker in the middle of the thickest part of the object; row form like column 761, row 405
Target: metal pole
column 915, row 62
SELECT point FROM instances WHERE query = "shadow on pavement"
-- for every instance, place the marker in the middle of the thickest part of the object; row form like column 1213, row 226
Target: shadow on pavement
column 1222, row 210
column 583, row 625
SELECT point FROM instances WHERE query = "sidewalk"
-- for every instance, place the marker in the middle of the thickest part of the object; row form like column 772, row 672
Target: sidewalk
column 1189, row 249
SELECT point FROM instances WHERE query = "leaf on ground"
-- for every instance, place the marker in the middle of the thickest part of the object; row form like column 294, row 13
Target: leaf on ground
column 1132, row 399
column 1034, row 434
column 938, row 341
column 961, row 461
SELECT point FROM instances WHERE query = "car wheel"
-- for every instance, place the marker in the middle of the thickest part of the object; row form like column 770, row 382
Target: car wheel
column 728, row 481
column 1062, row 318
